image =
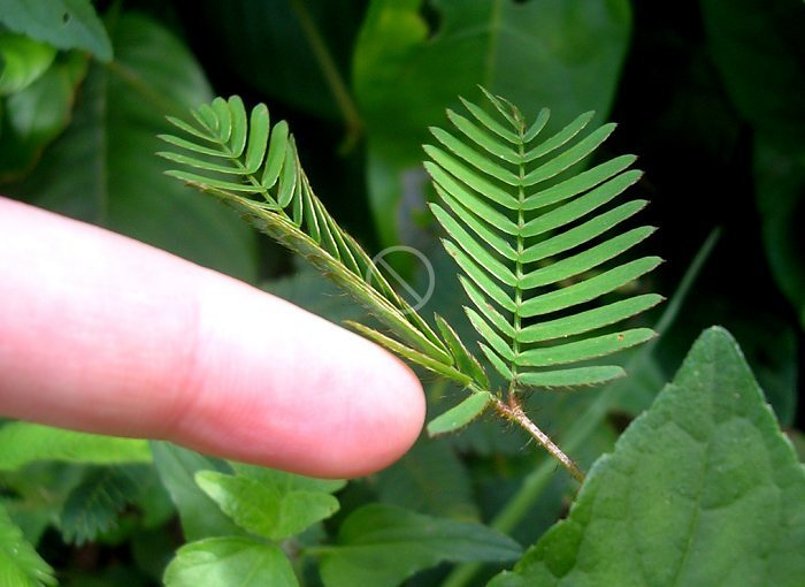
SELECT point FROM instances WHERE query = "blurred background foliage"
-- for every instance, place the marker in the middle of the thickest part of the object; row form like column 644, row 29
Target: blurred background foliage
column 708, row 93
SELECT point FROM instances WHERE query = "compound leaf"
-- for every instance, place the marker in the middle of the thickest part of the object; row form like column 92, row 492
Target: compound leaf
column 509, row 281
column 94, row 505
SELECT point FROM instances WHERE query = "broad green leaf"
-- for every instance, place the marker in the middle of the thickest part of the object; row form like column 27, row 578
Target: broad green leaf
column 20, row 565
column 22, row 62
column 430, row 479
column 381, row 545
column 230, row 561
column 100, row 169
column 22, row 443
column 461, row 415
column 35, row 116
column 566, row 56
column 94, row 505
column 66, row 24
column 200, row 516
column 267, row 507
column 701, row 490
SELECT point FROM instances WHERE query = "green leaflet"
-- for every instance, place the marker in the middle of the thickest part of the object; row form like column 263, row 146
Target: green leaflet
column 521, row 225
column 461, row 415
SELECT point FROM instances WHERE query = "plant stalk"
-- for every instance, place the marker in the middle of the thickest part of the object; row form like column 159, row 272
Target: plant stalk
column 513, row 412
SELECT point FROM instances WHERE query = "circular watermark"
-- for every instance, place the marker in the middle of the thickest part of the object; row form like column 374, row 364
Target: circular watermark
column 397, row 280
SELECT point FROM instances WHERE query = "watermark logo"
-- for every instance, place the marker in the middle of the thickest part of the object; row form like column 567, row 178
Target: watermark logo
column 414, row 295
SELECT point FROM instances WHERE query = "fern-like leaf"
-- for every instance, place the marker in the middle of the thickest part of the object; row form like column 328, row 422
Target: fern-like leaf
column 254, row 167
column 520, row 230
column 94, row 506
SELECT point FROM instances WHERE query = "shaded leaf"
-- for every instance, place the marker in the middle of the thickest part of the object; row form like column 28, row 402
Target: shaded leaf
column 94, row 505
column 701, row 490
column 759, row 50
column 780, row 177
column 22, row 443
column 430, row 479
column 66, row 24
column 230, row 561
column 381, row 545
column 308, row 289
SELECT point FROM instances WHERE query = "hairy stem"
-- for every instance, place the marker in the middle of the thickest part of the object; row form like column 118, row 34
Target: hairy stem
column 513, row 412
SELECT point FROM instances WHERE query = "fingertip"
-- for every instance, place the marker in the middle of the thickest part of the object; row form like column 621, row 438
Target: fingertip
column 284, row 388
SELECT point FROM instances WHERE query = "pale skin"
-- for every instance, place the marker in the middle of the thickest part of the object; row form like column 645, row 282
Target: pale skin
column 104, row 334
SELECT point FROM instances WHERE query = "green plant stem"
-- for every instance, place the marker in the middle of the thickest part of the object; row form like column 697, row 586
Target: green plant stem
column 534, row 484
column 343, row 99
